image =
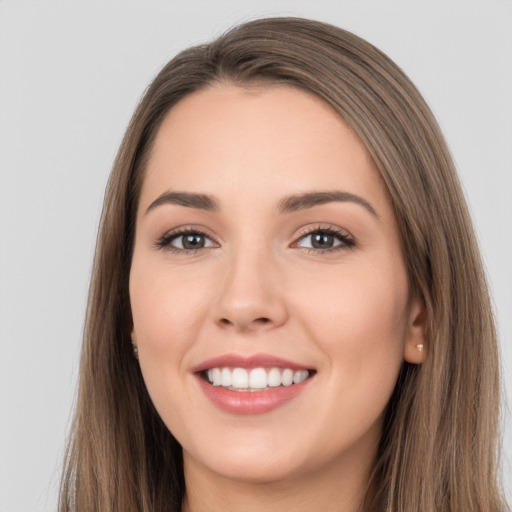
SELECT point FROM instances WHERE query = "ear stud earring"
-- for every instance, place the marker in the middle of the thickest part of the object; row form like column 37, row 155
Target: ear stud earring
column 420, row 347
column 135, row 350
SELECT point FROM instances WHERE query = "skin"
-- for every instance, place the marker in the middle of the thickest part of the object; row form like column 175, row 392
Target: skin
column 259, row 287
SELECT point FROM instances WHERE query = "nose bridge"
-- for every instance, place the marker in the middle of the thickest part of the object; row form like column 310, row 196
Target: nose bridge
column 251, row 296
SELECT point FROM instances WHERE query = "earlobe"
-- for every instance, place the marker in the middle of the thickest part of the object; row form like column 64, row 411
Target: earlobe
column 134, row 345
column 415, row 343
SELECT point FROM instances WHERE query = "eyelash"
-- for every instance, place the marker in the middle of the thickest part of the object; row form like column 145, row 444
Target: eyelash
column 165, row 242
column 347, row 242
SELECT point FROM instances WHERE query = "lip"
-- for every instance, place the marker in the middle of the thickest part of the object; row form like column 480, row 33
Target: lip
column 253, row 361
column 249, row 402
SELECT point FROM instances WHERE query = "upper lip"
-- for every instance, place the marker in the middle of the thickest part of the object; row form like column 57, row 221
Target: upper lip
column 253, row 361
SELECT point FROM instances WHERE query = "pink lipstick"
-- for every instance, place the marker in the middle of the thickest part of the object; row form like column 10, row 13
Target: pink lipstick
column 251, row 385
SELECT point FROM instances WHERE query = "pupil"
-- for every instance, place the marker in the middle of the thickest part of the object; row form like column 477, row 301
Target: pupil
column 322, row 240
column 193, row 241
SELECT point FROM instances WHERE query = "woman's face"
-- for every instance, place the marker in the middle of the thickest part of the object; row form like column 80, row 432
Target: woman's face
column 267, row 259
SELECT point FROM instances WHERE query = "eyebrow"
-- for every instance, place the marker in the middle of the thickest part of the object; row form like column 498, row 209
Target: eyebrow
column 287, row 205
column 190, row 200
column 311, row 199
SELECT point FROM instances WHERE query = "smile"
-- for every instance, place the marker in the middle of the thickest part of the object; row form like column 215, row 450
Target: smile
column 252, row 385
column 256, row 379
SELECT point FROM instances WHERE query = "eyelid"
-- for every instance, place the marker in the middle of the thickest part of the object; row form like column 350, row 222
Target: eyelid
column 164, row 241
column 346, row 238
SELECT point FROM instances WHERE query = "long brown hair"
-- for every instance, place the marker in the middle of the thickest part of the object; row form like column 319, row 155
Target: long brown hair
column 439, row 447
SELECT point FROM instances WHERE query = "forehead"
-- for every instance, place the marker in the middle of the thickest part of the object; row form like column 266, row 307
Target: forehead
column 259, row 141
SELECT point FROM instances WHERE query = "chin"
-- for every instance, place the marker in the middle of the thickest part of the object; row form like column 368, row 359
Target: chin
column 263, row 470
column 262, row 460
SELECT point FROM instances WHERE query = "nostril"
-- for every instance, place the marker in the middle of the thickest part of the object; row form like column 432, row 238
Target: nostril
column 261, row 321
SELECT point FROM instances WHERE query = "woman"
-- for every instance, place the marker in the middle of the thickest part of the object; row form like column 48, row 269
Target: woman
column 288, row 308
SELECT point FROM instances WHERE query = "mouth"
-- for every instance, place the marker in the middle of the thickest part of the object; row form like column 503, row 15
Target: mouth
column 252, row 385
column 255, row 379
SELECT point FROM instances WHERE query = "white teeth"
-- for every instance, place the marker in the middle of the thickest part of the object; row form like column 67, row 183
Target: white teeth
column 240, row 378
column 300, row 376
column 226, row 378
column 255, row 379
column 258, row 378
column 217, row 377
column 274, row 377
column 287, row 377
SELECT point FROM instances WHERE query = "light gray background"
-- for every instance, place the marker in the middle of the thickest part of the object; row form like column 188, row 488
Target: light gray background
column 71, row 73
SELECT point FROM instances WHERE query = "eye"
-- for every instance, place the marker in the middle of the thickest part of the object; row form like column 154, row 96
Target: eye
column 185, row 241
column 325, row 240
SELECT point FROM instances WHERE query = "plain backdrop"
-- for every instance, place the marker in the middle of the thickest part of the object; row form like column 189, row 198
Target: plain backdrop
column 71, row 73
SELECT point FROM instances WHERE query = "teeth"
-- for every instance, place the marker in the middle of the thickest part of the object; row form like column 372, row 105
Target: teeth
column 240, row 378
column 258, row 378
column 300, row 376
column 287, row 377
column 227, row 379
column 274, row 377
column 255, row 379
column 217, row 377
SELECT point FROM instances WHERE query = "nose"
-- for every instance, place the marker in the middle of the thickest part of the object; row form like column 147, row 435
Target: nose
column 252, row 297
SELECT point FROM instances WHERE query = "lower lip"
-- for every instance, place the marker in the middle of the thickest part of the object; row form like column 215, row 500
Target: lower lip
column 250, row 402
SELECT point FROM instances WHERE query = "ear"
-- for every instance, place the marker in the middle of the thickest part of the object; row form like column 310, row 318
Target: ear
column 135, row 348
column 415, row 341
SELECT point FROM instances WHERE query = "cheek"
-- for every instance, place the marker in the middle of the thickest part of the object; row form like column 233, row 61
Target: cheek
column 168, row 309
column 167, row 306
column 358, row 318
